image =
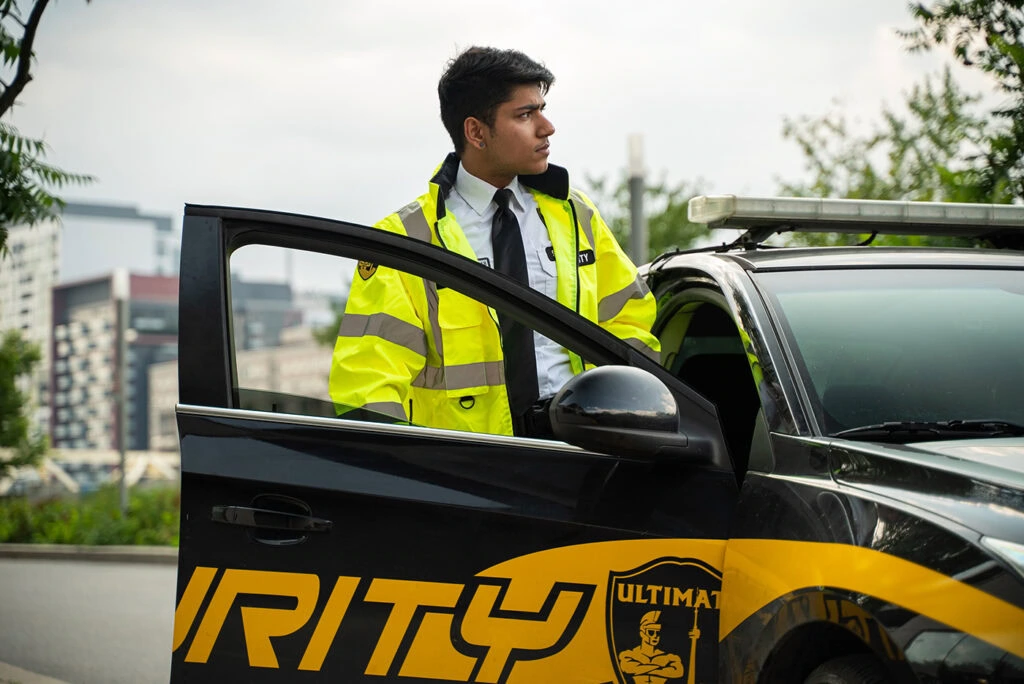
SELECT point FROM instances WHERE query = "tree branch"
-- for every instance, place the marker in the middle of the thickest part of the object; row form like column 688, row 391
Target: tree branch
column 13, row 17
column 22, row 76
column 8, row 5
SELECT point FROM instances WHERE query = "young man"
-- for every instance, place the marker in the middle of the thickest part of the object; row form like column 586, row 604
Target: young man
column 435, row 357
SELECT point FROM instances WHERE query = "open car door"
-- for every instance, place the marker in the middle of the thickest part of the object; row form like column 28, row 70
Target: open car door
column 315, row 548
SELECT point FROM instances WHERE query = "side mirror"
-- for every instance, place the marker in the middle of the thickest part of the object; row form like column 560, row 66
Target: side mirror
column 621, row 411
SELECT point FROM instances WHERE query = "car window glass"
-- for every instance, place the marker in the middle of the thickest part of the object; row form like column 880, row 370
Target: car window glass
column 284, row 308
column 288, row 308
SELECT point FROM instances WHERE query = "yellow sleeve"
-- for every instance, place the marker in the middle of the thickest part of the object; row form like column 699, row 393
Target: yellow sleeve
column 626, row 307
column 381, row 345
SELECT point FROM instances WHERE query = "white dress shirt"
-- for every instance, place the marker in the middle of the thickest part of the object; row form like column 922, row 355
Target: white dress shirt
column 471, row 202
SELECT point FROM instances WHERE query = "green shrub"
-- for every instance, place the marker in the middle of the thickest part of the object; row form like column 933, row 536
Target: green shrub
column 94, row 519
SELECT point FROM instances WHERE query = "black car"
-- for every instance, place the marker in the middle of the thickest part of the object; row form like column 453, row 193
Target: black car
column 822, row 481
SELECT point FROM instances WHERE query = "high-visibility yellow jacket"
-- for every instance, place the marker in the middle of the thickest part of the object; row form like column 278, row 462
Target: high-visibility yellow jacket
column 433, row 356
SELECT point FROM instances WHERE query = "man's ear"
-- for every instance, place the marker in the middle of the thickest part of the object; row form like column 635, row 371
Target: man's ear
column 476, row 132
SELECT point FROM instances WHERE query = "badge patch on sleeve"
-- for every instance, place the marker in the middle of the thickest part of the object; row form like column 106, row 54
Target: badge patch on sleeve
column 366, row 269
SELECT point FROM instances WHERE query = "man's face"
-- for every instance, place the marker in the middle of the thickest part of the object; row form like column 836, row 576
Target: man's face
column 517, row 144
column 650, row 635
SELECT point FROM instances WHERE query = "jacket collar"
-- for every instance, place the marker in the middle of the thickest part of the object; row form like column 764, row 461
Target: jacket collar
column 553, row 182
column 479, row 194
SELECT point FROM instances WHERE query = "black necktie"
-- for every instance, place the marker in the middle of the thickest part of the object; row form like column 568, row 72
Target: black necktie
column 516, row 338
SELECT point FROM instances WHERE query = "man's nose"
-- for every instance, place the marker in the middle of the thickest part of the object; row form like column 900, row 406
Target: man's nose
column 546, row 127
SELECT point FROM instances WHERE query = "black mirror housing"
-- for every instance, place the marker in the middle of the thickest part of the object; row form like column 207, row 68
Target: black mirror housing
column 619, row 410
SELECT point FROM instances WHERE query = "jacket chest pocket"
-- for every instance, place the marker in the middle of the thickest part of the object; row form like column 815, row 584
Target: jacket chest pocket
column 468, row 339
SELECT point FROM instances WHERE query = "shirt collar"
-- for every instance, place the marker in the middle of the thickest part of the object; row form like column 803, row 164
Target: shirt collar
column 479, row 193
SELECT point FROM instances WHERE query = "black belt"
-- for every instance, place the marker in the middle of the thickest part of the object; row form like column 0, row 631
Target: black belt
column 535, row 421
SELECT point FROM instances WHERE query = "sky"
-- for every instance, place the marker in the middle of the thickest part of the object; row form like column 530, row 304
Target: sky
column 329, row 107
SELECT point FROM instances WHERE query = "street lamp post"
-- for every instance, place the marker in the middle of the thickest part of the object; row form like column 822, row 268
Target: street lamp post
column 120, row 287
column 637, row 223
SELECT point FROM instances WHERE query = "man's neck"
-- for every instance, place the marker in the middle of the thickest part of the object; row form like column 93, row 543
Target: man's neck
column 474, row 166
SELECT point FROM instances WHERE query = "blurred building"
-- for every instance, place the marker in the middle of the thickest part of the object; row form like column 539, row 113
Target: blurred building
column 84, row 379
column 86, row 241
column 319, row 309
column 299, row 366
column 261, row 310
column 98, row 238
column 28, row 271
column 163, row 397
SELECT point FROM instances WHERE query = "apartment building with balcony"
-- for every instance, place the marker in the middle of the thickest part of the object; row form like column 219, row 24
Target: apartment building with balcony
column 28, row 271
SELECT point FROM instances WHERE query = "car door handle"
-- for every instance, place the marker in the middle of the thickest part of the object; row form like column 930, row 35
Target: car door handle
column 267, row 519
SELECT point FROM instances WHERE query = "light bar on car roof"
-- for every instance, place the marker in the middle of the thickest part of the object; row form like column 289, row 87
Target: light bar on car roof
column 857, row 216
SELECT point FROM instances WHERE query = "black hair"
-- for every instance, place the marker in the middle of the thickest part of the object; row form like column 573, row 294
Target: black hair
column 478, row 81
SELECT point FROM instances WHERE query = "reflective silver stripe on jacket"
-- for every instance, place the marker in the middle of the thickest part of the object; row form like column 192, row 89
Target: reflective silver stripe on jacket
column 643, row 348
column 610, row 306
column 430, row 289
column 414, row 221
column 482, row 373
column 391, row 408
column 431, row 377
column 585, row 215
column 416, row 226
column 462, row 376
column 386, row 327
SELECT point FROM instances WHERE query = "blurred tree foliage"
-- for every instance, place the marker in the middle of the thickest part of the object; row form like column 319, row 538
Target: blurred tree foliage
column 18, row 358
column 26, row 186
column 665, row 207
column 931, row 151
column 152, row 518
column 26, row 181
column 940, row 145
column 985, row 34
column 328, row 335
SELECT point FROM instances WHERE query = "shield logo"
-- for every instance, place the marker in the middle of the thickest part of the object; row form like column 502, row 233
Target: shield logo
column 366, row 269
column 663, row 622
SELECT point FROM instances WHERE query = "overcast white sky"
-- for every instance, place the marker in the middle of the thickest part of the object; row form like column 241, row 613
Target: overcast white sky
column 329, row 107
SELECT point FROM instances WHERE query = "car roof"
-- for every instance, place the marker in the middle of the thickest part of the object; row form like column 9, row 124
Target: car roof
column 809, row 258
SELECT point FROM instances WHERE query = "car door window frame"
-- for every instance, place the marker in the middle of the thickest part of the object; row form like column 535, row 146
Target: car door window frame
column 207, row 375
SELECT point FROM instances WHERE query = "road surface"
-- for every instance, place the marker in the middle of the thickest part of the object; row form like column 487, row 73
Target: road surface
column 87, row 622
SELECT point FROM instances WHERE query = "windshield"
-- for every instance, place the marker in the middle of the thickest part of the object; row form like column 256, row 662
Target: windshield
column 905, row 345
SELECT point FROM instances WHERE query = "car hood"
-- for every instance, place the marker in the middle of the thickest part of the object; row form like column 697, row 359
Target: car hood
column 1007, row 454
column 999, row 460
column 977, row 482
